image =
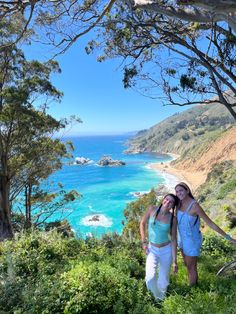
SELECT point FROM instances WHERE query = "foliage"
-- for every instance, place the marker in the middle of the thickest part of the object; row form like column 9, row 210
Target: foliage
column 61, row 226
column 99, row 288
column 164, row 57
column 217, row 246
column 133, row 213
column 217, row 195
column 28, row 151
column 44, row 205
column 226, row 188
column 161, row 48
column 46, row 273
column 187, row 133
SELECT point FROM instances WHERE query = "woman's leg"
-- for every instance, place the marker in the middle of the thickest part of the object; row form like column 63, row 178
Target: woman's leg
column 164, row 270
column 191, row 264
column 182, row 253
column 151, row 276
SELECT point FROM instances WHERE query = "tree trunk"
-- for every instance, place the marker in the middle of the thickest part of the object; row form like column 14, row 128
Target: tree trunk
column 28, row 191
column 6, row 230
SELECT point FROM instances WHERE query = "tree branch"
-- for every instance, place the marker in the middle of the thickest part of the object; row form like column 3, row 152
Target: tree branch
column 190, row 14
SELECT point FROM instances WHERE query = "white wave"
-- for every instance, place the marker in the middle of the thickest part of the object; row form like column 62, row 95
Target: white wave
column 138, row 193
column 170, row 180
column 97, row 220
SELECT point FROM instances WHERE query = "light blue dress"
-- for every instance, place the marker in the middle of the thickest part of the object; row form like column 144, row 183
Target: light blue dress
column 189, row 234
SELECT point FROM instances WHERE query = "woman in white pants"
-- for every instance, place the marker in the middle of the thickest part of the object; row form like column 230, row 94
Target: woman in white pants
column 162, row 248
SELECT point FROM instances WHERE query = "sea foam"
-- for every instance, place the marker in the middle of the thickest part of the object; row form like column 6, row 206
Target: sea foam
column 138, row 193
column 170, row 180
column 98, row 220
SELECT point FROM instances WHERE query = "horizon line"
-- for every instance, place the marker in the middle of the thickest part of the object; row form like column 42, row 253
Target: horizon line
column 101, row 133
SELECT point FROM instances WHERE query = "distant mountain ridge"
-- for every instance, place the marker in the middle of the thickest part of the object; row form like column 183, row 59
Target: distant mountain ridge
column 183, row 131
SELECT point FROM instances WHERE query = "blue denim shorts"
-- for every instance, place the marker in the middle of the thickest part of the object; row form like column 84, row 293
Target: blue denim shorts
column 190, row 246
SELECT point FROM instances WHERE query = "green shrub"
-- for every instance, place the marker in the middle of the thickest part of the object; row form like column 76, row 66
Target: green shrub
column 217, row 246
column 226, row 188
column 43, row 273
column 38, row 252
column 99, row 288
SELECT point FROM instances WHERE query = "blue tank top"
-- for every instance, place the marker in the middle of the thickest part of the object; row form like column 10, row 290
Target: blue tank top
column 158, row 233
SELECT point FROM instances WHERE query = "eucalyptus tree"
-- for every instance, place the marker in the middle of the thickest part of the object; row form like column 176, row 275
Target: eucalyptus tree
column 190, row 62
column 28, row 152
column 201, row 11
column 91, row 12
column 188, row 44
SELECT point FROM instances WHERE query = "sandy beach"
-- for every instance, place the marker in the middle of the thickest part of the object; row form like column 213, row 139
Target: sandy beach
column 173, row 175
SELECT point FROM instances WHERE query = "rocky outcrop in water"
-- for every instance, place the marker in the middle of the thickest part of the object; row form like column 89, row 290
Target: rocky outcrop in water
column 94, row 218
column 108, row 161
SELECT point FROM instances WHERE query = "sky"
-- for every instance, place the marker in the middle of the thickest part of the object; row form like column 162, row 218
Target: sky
column 94, row 92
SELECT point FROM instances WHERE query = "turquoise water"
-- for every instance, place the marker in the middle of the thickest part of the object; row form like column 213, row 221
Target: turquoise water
column 105, row 190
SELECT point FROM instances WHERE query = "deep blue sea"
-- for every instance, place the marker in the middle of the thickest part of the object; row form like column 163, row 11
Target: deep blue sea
column 106, row 190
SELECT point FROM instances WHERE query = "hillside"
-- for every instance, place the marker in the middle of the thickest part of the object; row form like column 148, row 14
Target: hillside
column 202, row 157
column 204, row 138
column 201, row 137
column 182, row 132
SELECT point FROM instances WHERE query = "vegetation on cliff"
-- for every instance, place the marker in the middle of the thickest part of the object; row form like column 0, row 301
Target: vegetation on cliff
column 45, row 273
column 183, row 132
column 217, row 195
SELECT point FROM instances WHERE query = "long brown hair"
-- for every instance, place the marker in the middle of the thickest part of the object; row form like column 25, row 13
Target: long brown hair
column 186, row 187
column 176, row 200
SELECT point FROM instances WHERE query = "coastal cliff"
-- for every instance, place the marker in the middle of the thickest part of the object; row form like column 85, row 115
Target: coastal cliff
column 204, row 138
column 201, row 136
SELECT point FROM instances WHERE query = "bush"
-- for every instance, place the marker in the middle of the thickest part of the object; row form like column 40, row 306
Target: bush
column 99, row 288
column 217, row 246
column 47, row 274
column 226, row 188
column 185, row 137
column 38, row 252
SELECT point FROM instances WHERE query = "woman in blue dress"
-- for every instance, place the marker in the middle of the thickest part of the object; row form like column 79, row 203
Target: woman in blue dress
column 189, row 213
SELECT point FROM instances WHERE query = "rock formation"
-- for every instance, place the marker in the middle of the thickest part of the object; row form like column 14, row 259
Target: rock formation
column 108, row 161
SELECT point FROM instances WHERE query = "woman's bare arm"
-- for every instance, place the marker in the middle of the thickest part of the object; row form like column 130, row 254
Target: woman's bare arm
column 174, row 244
column 197, row 209
column 143, row 224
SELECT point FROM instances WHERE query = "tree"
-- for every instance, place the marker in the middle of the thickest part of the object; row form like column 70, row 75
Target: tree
column 189, row 62
column 191, row 43
column 37, row 205
column 28, row 153
column 200, row 11
column 203, row 11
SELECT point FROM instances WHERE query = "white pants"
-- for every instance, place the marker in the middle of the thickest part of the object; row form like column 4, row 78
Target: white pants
column 160, row 258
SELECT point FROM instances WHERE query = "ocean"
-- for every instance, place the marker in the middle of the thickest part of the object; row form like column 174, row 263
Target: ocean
column 105, row 190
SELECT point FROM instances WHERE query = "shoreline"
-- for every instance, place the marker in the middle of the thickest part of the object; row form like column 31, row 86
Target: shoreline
column 173, row 175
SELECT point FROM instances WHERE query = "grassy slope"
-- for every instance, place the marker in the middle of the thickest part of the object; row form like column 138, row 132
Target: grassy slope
column 182, row 132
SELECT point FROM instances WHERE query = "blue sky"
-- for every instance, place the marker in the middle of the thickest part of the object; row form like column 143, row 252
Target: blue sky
column 94, row 91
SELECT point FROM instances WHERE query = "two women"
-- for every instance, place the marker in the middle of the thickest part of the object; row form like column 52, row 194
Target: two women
column 162, row 248
column 162, row 226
